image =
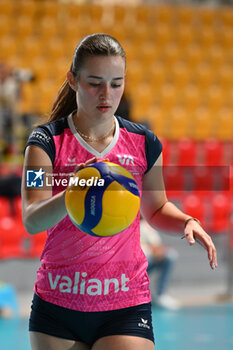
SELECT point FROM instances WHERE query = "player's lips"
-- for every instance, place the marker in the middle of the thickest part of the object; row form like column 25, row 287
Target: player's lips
column 103, row 107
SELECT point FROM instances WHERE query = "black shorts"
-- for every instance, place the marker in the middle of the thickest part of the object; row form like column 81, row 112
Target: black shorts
column 87, row 327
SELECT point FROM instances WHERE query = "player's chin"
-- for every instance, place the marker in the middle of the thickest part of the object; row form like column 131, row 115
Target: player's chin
column 105, row 115
column 105, row 110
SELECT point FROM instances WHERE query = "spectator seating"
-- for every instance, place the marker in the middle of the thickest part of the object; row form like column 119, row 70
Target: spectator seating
column 179, row 58
column 15, row 242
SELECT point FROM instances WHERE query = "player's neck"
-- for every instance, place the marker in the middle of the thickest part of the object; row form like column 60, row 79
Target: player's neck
column 95, row 131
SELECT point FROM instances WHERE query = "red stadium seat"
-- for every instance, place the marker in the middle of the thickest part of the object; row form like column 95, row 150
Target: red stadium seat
column 4, row 207
column 186, row 152
column 202, row 178
column 213, row 150
column 174, row 179
column 193, row 205
column 18, row 207
column 220, row 213
column 166, row 151
column 12, row 238
column 231, row 179
column 15, row 242
column 223, row 179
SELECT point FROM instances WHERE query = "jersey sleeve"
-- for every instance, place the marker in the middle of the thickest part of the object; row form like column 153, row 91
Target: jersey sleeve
column 42, row 138
column 153, row 149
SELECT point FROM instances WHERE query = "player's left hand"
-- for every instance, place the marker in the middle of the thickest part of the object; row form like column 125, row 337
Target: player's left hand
column 193, row 233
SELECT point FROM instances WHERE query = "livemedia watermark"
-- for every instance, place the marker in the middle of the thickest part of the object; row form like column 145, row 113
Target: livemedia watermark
column 176, row 178
column 40, row 179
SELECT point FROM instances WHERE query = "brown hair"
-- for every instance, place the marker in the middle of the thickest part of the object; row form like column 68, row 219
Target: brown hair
column 92, row 45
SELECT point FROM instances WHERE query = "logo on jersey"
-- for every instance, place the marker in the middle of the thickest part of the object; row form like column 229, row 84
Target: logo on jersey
column 35, row 178
column 78, row 284
column 40, row 135
column 71, row 162
column 143, row 323
column 125, row 159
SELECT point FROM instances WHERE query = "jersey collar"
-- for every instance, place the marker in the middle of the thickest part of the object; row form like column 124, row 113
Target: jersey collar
column 87, row 146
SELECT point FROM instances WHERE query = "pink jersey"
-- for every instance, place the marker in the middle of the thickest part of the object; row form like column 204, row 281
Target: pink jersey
column 79, row 271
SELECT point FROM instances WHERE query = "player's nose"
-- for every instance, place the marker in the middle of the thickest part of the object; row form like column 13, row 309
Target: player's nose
column 105, row 92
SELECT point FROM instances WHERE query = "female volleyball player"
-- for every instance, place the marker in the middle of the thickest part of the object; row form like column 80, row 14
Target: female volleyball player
column 91, row 292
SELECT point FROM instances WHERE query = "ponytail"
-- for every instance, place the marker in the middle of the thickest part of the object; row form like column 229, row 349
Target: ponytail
column 65, row 102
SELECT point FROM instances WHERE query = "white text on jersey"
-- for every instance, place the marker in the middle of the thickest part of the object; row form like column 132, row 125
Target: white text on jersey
column 125, row 159
column 92, row 286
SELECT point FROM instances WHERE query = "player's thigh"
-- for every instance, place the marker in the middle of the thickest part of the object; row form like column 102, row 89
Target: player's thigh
column 123, row 342
column 41, row 341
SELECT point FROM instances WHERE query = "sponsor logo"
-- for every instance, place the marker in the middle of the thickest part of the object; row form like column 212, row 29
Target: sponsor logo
column 143, row 324
column 35, row 178
column 40, row 135
column 71, row 162
column 125, row 159
column 132, row 184
column 93, row 205
column 93, row 286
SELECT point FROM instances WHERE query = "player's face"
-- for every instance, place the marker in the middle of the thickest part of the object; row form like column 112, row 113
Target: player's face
column 100, row 85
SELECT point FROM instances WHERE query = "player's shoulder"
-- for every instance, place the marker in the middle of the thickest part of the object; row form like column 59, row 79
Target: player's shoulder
column 137, row 128
column 55, row 127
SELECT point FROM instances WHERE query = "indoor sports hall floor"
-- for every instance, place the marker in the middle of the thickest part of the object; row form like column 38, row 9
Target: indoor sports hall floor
column 205, row 322
column 202, row 328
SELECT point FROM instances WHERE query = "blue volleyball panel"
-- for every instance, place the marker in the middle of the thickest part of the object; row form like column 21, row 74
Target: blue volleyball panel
column 93, row 204
column 127, row 183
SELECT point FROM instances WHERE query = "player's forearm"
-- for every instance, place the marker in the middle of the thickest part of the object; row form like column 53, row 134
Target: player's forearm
column 40, row 216
column 169, row 218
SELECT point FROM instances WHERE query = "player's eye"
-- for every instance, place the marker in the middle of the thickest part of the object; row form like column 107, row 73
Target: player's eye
column 115, row 86
column 94, row 84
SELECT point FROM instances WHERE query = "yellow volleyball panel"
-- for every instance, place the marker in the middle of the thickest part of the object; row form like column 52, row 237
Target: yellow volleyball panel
column 88, row 173
column 76, row 193
column 119, row 209
column 120, row 170
column 75, row 204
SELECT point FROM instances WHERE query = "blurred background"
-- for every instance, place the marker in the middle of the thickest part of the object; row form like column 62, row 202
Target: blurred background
column 179, row 83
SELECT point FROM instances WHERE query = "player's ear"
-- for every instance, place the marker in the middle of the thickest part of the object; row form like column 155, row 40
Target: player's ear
column 71, row 80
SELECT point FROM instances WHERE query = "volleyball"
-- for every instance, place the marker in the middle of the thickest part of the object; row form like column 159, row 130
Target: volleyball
column 102, row 199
